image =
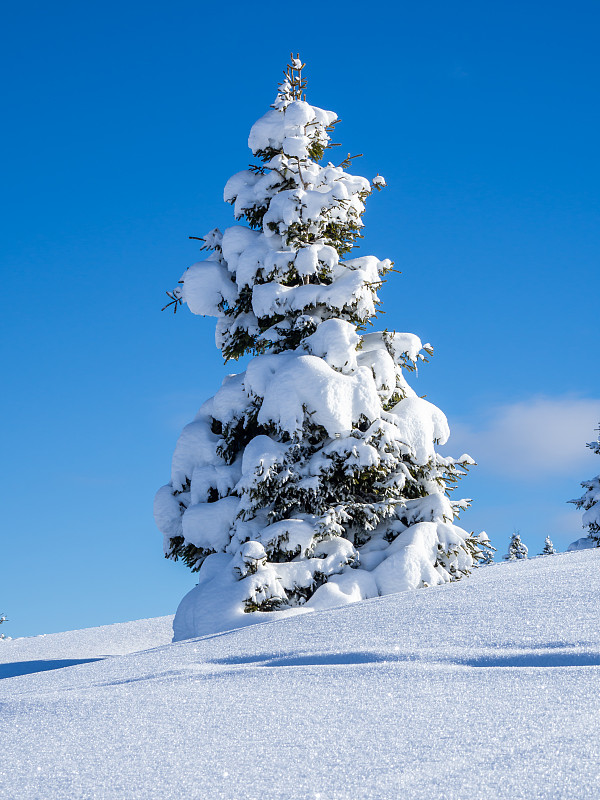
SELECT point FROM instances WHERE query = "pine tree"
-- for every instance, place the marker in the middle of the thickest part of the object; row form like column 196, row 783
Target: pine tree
column 312, row 477
column 549, row 549
column 590, row 503
column 516, row 549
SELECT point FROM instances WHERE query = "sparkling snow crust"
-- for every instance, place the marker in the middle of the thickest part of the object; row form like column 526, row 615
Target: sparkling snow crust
column 486, row 688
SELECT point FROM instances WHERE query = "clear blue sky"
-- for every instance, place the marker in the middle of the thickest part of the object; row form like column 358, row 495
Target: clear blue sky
column 122, row 122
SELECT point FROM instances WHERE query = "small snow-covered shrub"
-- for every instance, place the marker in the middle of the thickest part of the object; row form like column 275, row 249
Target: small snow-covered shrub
column 590, row 503
column 312, row 478
column 549, row 549
column 516, row 548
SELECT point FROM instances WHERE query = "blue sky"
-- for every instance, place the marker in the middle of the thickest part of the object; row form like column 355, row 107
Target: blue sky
column 123, row 122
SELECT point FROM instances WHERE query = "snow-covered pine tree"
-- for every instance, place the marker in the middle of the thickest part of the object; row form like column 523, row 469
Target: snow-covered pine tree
column 3, row 618
column 590, row 503
column 549, row 549
column 516, row 548
column 311, row 479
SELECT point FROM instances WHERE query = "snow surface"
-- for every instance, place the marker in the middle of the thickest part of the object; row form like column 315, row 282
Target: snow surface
column 486, row 688
column 90, row 643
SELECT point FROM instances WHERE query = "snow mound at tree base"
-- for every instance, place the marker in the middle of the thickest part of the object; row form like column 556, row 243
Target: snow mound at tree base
column 218, row 602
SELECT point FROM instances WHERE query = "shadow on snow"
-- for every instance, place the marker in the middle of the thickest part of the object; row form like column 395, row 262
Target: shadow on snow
column 529, row 659
column 17, row 668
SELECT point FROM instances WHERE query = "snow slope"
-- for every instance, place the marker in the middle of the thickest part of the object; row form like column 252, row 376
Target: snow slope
column 489, row 688
column 38, row 653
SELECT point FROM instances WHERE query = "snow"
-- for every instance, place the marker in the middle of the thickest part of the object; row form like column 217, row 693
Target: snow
column 421, row 424
column 207, row 525
column 235, row 240
column 262, row 452
column 217, row 580
column 591, row 517
column 298, row 533
column 335, row 341
column 28, row 653
column 306, row 384
column 483, row 688
column 206, row 285
column 286, row 129
column 167, row 513
column 351, row 287
column 195, row 445
column 409, row 560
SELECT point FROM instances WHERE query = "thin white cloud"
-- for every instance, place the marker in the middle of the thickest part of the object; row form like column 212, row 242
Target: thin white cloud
column 543, row 436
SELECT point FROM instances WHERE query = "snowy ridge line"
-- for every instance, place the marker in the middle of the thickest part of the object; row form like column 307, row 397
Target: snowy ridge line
column 115, row 639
